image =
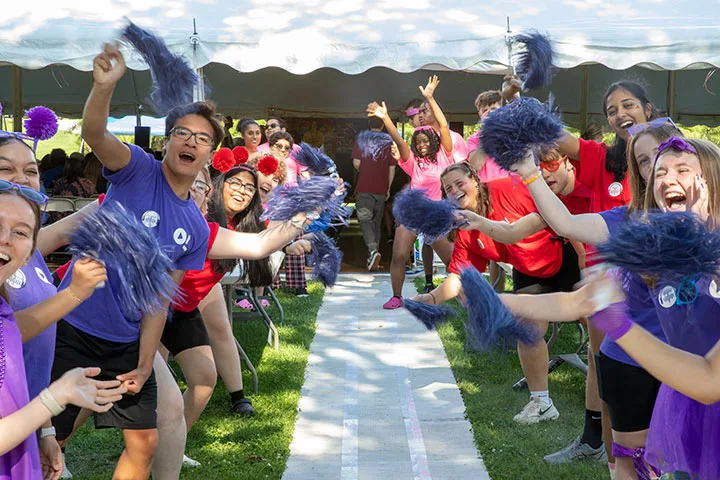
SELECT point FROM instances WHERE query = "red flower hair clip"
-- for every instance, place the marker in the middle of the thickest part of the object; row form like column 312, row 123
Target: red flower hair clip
column 268, row 165
column 225, row 159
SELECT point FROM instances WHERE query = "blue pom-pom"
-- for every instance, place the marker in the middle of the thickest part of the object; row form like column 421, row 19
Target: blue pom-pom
column 374, row 144
column 510, row 131
column 173, row 78
column 490, row 324
column 430, row 315
column 434, row 219
column 286, row 201
column 534, row 63
column 326, row 257
column 116, row 237
column 316, row 161
column 670, row 246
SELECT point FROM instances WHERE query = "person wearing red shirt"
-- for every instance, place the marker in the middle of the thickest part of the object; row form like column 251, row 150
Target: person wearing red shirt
column 540, row 263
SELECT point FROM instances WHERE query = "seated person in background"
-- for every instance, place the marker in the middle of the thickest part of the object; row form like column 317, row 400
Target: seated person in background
column 72, row 183
column 54, row 168
column 592, row 132
column 93, row 172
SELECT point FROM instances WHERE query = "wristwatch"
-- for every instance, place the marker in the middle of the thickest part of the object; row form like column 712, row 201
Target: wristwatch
column 47, row 432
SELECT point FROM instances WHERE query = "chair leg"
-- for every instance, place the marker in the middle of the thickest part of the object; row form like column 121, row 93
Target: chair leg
column 273, row 337
column 250, row 366
column 277, row 304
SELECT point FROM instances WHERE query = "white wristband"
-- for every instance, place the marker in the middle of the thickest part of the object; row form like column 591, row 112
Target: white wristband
column 47, row 432
column 49, row 401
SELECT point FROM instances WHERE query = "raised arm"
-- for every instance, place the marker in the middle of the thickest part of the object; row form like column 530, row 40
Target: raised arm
column 108, row 69
column 503, row 232
column 586, row 228
column 254, row 246
column 569, row 145
column 428, row 92
column 380, row 111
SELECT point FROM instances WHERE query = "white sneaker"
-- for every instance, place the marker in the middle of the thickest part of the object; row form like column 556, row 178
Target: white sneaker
column 189, row 462
column 536, row 411
column 65, row 473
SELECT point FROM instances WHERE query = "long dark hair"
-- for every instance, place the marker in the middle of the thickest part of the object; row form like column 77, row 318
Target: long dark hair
column 616, row 158
column 247, row 221
column 434, row 147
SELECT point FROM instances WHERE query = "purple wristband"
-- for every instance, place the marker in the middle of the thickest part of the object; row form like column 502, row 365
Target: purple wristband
column 612, row 321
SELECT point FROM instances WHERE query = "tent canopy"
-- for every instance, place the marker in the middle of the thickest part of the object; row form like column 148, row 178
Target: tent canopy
column 325, row 58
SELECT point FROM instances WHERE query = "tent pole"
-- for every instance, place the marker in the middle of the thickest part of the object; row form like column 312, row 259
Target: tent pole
column 584, row 93
column 671, row 94
column 17, row 98
column 199, row 90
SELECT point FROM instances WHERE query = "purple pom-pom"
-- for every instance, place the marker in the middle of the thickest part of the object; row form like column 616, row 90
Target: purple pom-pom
column 326, row 257
column 173, row 78
column 315, row 160
column 434, row 219
column 430, row 315
column 490, row 324
column 131, row 252
column 510, row 131
column 374, row 144
column 534, row 63
column 286, row 201
column 670, row 246
column 41, row 124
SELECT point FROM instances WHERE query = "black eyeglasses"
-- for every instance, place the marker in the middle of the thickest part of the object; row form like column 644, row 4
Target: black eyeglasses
column 201, row 186
column 27, row 192
column 236, row 186
column 200, row 137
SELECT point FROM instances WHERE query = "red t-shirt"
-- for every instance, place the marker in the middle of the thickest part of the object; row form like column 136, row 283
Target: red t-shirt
column 536, row 255
column 196, row 284
column 474, row 248
column 578, row 202
column 373, row 176
column 606, row 193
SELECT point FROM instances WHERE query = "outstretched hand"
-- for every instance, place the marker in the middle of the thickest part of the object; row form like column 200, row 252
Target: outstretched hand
column 429, row 89
column 375, row 110
column 511, row 87
column 109, row 66
column 78, row 388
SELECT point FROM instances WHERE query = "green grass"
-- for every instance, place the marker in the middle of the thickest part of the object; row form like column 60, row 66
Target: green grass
column 512, row 451
column 231, row 447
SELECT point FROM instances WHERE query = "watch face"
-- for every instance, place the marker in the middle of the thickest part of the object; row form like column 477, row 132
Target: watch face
column 312, row 216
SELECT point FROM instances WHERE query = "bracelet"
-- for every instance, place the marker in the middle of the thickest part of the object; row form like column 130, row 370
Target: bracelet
column 49, row 401
column 533, row 178
column 72, row 294
column 48, row 432
column 433, row 297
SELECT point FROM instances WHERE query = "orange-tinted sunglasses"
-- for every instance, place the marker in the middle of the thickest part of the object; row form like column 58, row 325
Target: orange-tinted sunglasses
column 552, row 165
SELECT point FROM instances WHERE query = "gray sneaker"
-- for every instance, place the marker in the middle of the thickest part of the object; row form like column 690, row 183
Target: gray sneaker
column 577, row 451
column 373, row 260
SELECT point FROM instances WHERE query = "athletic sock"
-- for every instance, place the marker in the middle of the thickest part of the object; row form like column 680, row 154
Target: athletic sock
column 592, row 434
column 543, row 395
column 428, row 279
column 235, row 397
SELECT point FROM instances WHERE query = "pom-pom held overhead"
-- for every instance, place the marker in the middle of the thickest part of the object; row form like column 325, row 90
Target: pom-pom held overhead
column 534, row 62
column 41, row 124
column 434, row 219
column 326, row 257
column 490, row 324
column 430, row 315
column 312, row 195
column 223, row 160
column 374, row 144
column 510, row 131
column 116, row 237
column 316, row 161
column 173, row 78
column 267, row 165
column 671, row 246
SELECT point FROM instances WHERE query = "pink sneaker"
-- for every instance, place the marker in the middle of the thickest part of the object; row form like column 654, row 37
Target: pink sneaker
column 245, row 304
column 393, row 303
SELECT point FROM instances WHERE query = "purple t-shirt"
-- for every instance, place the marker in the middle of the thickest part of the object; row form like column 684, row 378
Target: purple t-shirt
column 27, row 287
column 182, row 232
column 638, row 302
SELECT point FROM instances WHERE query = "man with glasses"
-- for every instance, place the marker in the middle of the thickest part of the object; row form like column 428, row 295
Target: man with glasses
column 97, row 333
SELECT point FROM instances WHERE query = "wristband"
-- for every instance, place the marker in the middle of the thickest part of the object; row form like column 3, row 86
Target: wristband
column 47, row 432
column 533, row 178
column 72, row 294
column 433, row 297
column 49, row 401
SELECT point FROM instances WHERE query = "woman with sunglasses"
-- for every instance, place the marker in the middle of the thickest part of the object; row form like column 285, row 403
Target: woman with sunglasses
column 20, row 217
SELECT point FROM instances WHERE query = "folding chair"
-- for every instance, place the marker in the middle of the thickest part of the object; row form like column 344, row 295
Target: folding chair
column 81, row 202
column 60, row 204
column 227, row 282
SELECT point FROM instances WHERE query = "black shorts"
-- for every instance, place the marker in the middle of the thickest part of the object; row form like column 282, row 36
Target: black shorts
column 183, row 331
column 563, row 281
column 75, row 348
column 629, row 392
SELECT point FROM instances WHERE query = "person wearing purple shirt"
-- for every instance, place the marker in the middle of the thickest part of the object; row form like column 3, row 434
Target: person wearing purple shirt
column 158, row 193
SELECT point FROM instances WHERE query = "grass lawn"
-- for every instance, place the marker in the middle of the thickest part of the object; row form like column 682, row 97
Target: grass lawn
column 231, row 447
column 512, row 451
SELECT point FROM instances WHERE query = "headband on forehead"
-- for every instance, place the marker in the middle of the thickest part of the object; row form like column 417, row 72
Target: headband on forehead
column 677, row 144
column 424, row 127
column 41, row 124
column 411, row 112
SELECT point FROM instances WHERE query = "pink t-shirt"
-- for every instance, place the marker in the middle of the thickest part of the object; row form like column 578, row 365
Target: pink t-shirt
column 425, row 175
column 460, row 150
column 490, row 170
column 293, row 167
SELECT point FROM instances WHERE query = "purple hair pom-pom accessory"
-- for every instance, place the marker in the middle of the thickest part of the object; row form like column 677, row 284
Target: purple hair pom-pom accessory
column 430, row 315
column 114, row 236
column 671, row 246
column 327, row 258
column 510, row 131
column 434, row 219
column 374, row 144
column 534, row 63
column 172, row 77
column 41, row 124
column 490, row 324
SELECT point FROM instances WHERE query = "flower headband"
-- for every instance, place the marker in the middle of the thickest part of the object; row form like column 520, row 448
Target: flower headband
column 225, row 159
column 677, row 144
column 41, row 124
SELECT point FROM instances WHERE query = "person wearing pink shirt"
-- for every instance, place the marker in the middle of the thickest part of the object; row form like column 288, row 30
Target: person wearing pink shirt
column 277, row 125
column 424, row 160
